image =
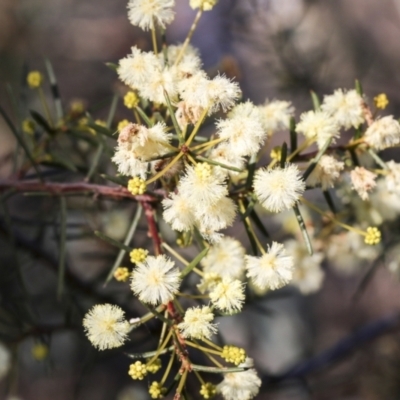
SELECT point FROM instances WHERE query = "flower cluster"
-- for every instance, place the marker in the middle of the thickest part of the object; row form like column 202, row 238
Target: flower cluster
column 198, row 185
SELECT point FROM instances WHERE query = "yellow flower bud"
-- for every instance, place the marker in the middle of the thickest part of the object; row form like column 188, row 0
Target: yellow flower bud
column 121, row 274
column 381, row 101
column 131, row 100
column 136, row 186
column 34, row 79
column 138, row 255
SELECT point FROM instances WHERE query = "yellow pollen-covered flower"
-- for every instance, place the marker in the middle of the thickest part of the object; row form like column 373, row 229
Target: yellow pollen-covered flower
column 208, row 390
column 131, row 100
column 206, row 5
column 373, row 236
column 34, row 79
column 276, row 153
column 40, row 351
column 138, row 255
column 156, row 390
column 137, row 370
column 121, row 274
column 100, row 122
column 77, row 107
column 28, row 126
column 381, row 101
column 154, row 366
column 136, row 186
column 233, row 354
column 122, row 124
column 203, row 170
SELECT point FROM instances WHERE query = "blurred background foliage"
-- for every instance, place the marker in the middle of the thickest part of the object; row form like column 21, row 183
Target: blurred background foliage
column 277, row 49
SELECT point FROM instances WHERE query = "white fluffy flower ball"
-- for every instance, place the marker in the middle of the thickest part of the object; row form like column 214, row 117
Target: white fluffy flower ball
column 156, row 280
column 105, row 326
column 280, row 188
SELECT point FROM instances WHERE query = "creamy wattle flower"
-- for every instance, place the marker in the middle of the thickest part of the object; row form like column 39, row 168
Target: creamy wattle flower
column 158, row 82
column 243, row 129
column 209, row 281
column 225, row 258
column 393, row 177
column 345, row 108
column 156, row 280
column 186, row 114
column 383, row 133
column 216, row 216
column 201, row 186
column 128, row 165
column 223, row 93
column 134, row 69
column 223, row 154
column 178, row 212
column 326, row 172
column 240, row 385
column 272, row 270
column 197, row 323
column 138, row 144
column 200, row 92
column 363, row 181
column 228, row 295
column 106, row 327
column 189, row 64
column 276, row 115
column 318, row 125
column 307, row 274
column 278, row 189
column 144, row 13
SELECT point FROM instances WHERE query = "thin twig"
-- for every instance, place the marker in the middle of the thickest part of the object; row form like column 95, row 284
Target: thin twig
column 59, row 189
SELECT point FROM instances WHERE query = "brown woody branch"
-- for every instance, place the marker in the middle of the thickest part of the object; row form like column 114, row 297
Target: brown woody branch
column 60, row 189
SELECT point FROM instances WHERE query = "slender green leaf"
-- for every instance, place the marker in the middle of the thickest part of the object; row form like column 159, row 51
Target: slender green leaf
column 316, row 159
column 315, row 101
column 112, row 241
column 253, row 243
column 359, row 88
column 54, row 89
column 173, row 117
column 257, row 221
column 145, row 118
column 354, row 157
column 293, row 135
column 112, row 66
column 41, row 121
column 283, row 155
column 249, row 208
column 101, row 129
column 96, row 161
column 149, row 354
column 329, row 200
column 215, row 370
column 377, row 159
column 157, row 314
column 129, row 236
column 113, row 109
column 303, row 228
column 212, row 162
column 194, row 262
column 251, row 170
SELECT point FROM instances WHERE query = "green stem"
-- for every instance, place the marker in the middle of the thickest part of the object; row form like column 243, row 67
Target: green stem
column 189, row 36
column 45, row 106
